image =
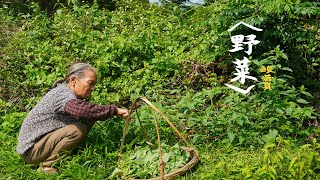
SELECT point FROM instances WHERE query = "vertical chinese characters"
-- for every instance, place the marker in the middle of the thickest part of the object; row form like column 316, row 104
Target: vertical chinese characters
column 241, row 42
column 267, row 77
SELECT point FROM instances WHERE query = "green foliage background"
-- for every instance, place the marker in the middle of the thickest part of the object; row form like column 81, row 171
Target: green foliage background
column 178, row 57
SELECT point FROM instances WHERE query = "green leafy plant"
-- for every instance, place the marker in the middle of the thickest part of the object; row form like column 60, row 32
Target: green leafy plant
column 143, row 162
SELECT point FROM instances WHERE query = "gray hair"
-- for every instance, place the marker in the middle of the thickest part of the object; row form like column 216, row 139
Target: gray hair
column 77, row 70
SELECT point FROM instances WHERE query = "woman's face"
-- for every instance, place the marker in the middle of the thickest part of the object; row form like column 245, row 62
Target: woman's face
column 82, row 87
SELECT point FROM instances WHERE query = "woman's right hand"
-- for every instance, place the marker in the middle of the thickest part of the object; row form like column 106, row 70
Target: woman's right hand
column 123, row 113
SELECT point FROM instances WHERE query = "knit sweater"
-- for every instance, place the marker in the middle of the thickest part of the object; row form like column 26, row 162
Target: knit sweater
column 58, row 108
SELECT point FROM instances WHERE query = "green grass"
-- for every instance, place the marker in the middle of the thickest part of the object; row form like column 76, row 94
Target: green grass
column 92, row 160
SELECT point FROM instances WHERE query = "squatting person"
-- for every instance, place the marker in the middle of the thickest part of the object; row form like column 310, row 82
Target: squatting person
column 62, row 119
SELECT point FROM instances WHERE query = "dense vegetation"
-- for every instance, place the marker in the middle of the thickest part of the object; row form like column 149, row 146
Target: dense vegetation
column 177, row 57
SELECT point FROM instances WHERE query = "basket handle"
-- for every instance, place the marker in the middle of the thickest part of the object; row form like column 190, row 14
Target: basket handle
column 166, row 119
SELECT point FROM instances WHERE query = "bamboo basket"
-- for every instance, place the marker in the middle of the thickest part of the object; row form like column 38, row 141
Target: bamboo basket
column 194, row 156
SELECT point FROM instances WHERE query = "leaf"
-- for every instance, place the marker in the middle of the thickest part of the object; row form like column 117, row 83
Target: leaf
column 306, row 146
column 280, row 111
column 306, row 93
column 273, row 133
column 239, row 121
column 302, row 101
column 116, row 172
column 196, row 138
column 286, row 69
column 231, row 136
column 267, row 146
column 241, row 139
column 291, row 164
column 273, row 170
column 59, row 11
column 165, row 157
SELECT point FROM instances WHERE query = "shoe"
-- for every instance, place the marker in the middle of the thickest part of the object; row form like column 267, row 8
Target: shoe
column 49, row 170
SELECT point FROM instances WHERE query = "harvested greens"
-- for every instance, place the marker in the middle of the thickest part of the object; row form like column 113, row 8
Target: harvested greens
column 143, row 162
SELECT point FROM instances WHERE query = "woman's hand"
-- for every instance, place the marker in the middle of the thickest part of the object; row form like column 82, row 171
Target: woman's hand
column 123, row 113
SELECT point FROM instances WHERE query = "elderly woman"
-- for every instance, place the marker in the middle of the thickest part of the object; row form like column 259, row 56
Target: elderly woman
column 62, row 119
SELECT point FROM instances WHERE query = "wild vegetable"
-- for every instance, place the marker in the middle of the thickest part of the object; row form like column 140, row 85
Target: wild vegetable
column 143, row 162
